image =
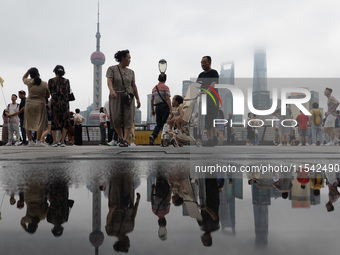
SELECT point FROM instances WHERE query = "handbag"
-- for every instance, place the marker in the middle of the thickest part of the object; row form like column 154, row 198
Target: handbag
column 71, row 97
column 128, row 96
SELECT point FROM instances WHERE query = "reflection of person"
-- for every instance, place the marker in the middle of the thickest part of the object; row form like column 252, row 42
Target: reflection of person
column 161, row 100
column 121, row 83
column 37, row 207
column 60, row 89
column 209, row 77
column 303, row 177
column 35, row 106
column 333, row 193
column 316, row 182
column 183, row 192
column 284, row 183
column 122, row 212
column 160, row 202
column 209, row 210
column 60, row 206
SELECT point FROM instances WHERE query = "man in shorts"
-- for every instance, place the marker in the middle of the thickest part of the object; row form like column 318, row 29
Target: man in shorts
column 302, row 120
column 329, row 127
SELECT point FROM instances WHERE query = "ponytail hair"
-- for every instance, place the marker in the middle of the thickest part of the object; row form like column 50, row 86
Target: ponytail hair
column 34, row 73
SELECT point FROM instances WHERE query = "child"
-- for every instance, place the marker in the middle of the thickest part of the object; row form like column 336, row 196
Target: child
column 176, row 116
column 316, row 124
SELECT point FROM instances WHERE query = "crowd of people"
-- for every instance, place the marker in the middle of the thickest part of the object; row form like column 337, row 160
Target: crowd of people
column 313, row 128
column 44, row 112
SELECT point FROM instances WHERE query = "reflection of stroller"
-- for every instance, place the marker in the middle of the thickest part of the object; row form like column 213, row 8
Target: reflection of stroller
column 181, row 136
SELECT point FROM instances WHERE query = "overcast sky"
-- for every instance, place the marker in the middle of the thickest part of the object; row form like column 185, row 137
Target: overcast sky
column 301, row 39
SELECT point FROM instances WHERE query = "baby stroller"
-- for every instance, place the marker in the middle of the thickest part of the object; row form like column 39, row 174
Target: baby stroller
column 181, row 136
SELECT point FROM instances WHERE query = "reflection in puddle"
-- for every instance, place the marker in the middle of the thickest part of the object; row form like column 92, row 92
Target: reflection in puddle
column 148, row 206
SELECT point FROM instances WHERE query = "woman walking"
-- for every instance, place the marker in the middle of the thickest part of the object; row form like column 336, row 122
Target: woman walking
column 60, row 89
column 35, row 107
column 123, row 90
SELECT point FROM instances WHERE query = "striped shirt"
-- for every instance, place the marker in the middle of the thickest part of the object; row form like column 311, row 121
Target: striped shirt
column 163, row 90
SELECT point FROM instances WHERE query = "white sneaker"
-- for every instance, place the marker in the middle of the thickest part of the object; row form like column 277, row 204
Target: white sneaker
column 39, row 144
column 17, row 144
column 31, row 144
column 307, row 144
column 112, row 143
column 55, row 144
column 133, row 144
column 331, row 143
column 300, row 144
column 8, row 144
column 280, row 144
column 313, row 144
column 62, row 145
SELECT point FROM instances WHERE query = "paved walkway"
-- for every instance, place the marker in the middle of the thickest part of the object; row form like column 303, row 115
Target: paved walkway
column 229, row 153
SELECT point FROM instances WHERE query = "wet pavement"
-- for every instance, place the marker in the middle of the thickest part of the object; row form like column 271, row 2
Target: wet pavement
column 150, row 200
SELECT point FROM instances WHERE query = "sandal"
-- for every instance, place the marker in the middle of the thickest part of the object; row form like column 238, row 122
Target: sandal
column 124, row 144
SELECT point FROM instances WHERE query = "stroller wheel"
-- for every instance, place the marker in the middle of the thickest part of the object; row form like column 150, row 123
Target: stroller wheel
column 174, row 142
column 199, row 143
column 165, row 143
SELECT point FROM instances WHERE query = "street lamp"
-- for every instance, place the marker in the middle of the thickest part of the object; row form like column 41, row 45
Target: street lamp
column 162, row 65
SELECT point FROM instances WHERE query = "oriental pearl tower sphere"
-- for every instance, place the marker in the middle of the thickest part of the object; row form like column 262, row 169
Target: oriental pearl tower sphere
column 97, row 59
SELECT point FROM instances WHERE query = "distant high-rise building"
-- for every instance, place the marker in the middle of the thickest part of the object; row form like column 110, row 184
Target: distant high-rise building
column 261, row 99
column 261, row 96
column 138, row 116
column 294, row 108
column 260, row 71
column 97, row 59
column 314, row 97
column 227, row 76
column 149, row 117
column 185, row 86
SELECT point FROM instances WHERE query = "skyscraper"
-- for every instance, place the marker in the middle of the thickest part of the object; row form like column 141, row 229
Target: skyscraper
column 97, row 59
column 260, row 71
column 185, row 86
column 227, row 76
column 261, row 96
column 149, row 117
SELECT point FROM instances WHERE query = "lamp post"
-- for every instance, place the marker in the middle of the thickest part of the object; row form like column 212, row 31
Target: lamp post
column 162, row 64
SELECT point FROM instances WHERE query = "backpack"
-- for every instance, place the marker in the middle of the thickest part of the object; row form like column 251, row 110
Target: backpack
column 18, row 106
column 317, row 117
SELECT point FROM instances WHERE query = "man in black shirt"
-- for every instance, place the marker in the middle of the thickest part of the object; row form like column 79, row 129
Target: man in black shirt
column 209, row 77
column 22, row 96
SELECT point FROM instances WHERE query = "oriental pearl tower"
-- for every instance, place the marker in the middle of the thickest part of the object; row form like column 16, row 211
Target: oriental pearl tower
column 97, row 59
